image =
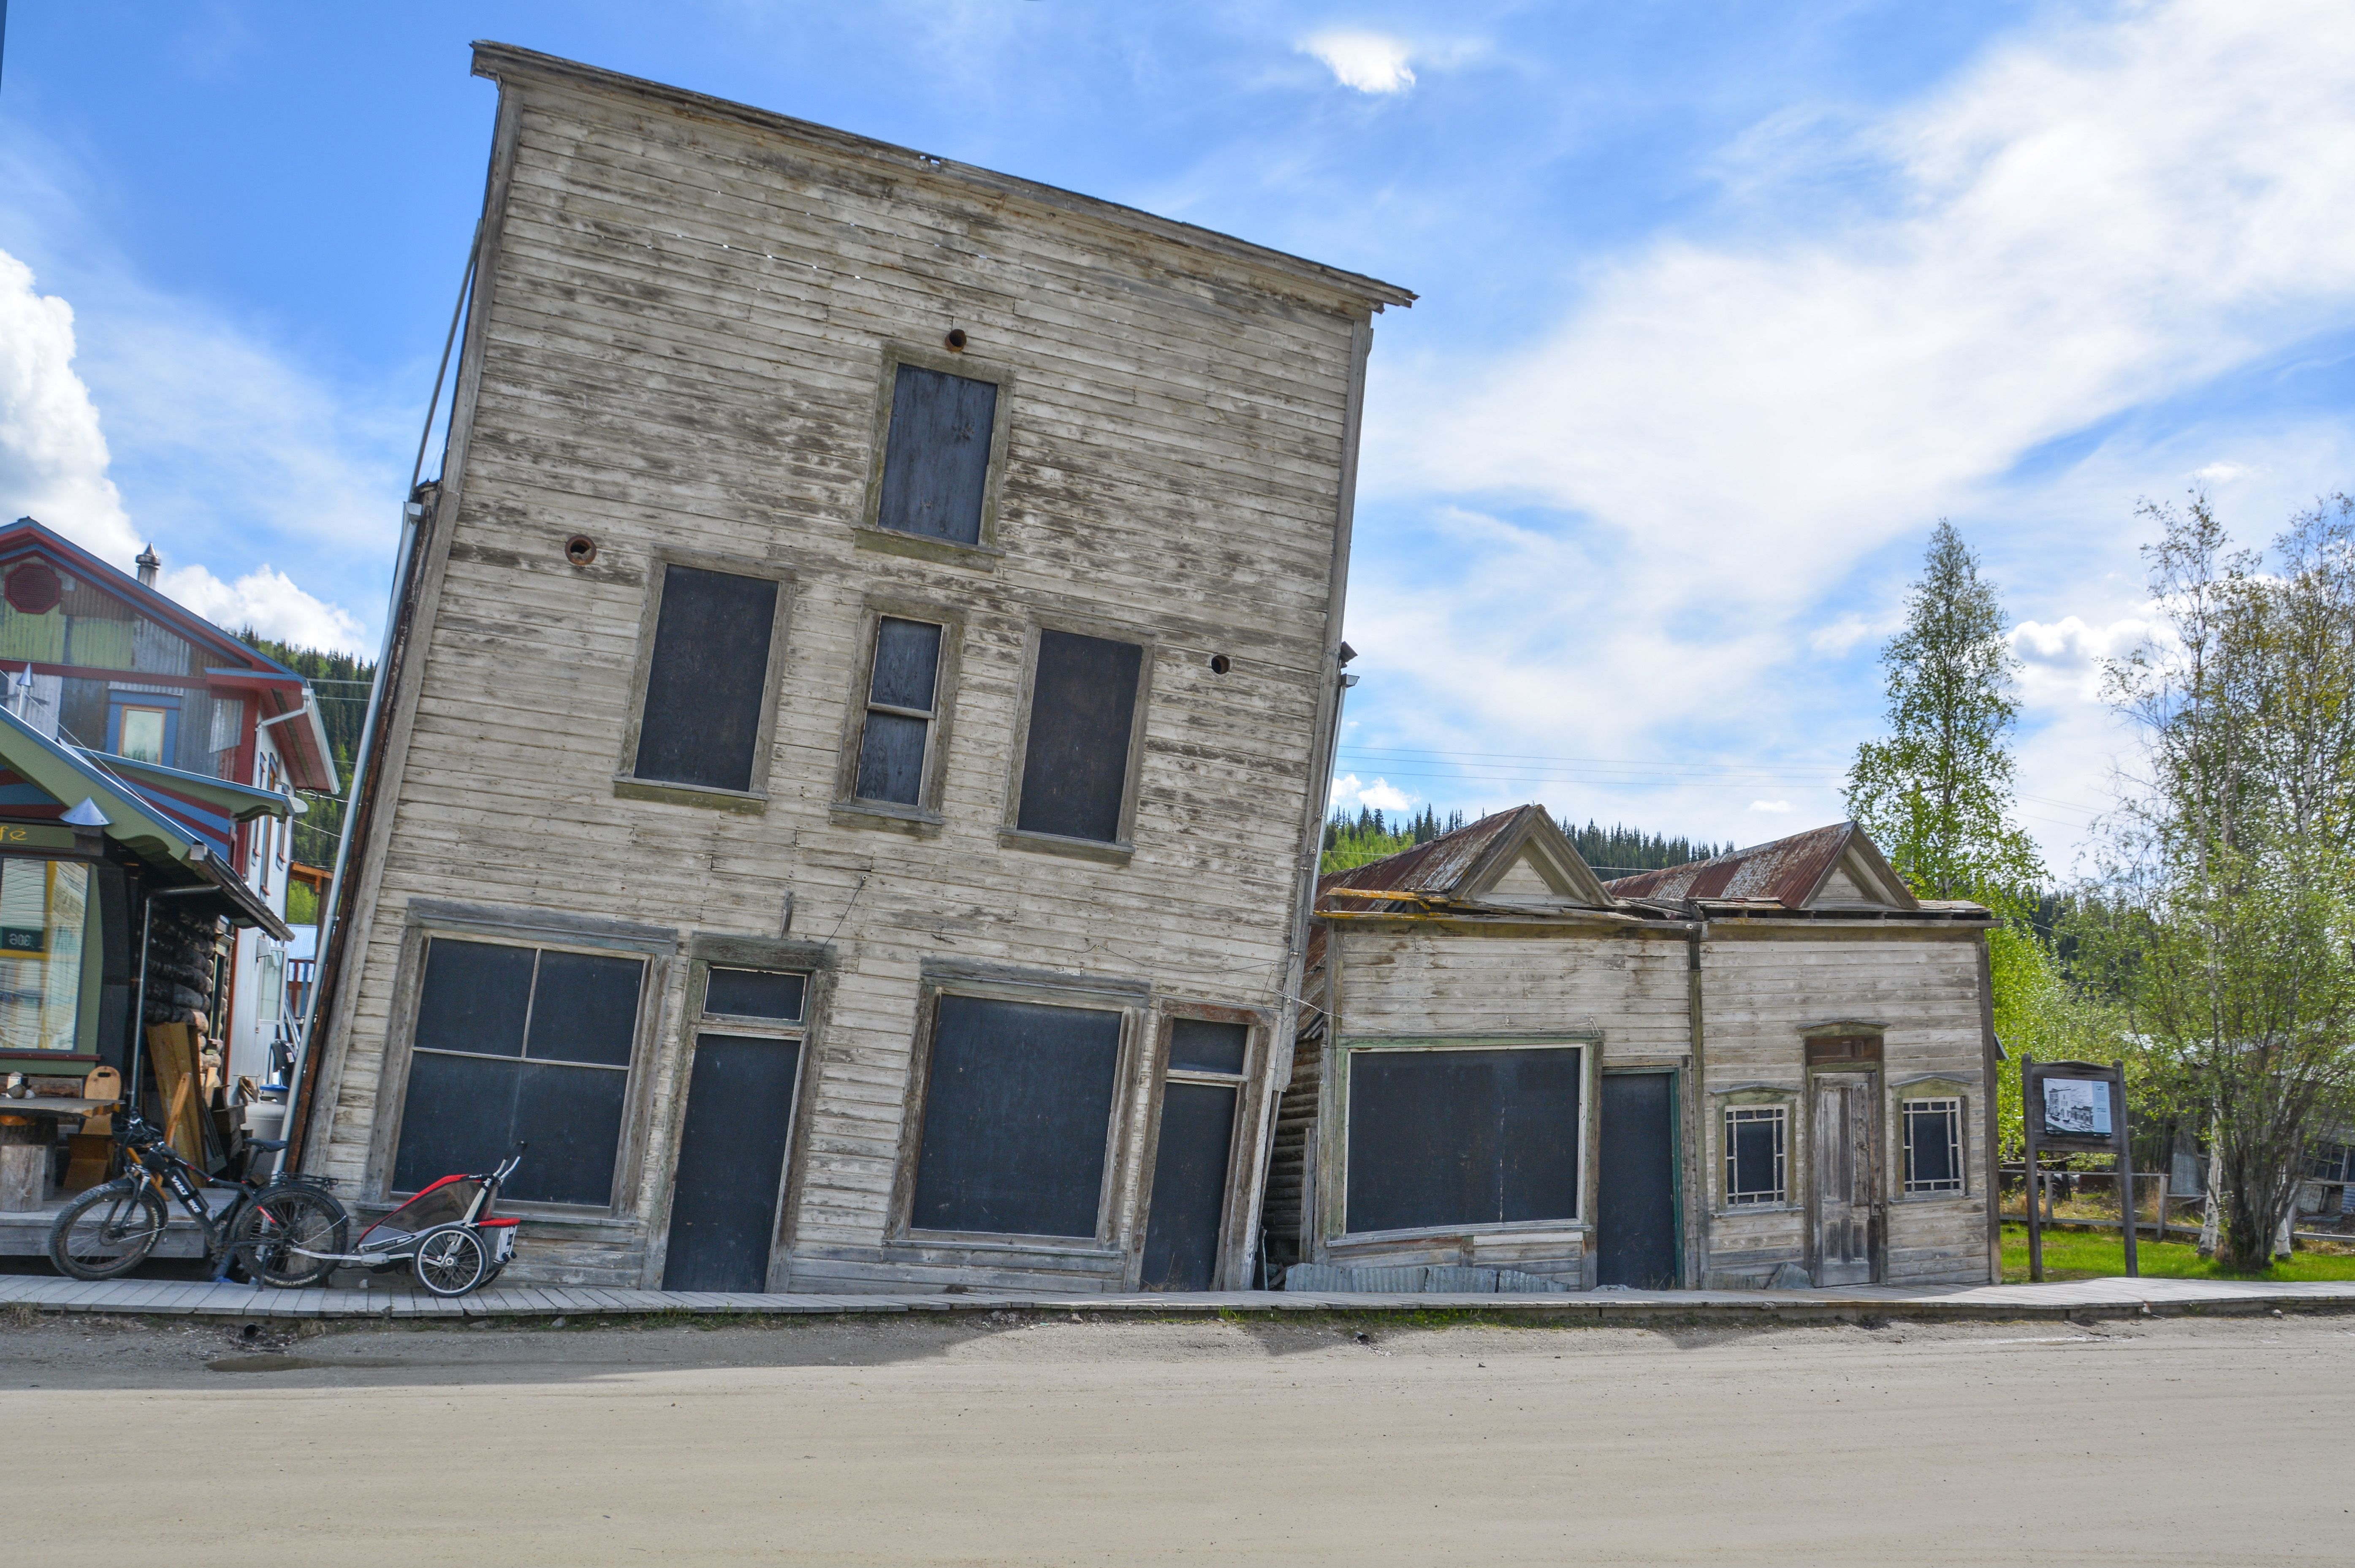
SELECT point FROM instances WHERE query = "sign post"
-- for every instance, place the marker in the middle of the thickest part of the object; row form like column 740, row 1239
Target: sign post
column 2076, row 1107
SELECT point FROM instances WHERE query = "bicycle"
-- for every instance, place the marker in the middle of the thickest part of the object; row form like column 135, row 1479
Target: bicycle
column 283, row 1231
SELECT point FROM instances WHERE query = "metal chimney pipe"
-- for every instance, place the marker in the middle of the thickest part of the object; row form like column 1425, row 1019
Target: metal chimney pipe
column 149, row 564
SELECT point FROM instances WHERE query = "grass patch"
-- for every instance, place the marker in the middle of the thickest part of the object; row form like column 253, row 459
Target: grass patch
column 2101, row 1254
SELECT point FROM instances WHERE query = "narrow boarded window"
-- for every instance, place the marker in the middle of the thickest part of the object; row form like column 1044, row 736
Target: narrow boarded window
column 897, row 737
column 936, row 455
column 1075, row 764
column 1462, row 1137
column 519, row 1044
column 707, row 682
column 1018, row 1111
column 1933, row 1146
column 1756, row 1158
column 754, row 994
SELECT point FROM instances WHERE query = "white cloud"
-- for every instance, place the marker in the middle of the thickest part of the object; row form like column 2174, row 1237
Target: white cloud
column 221, row 448
column 1370, row 62
column 1731, row 424
column 268, row 602
column 2061, row 661
column 52, row 452
column 1835, row 640
column 1349, row 793
column 2220, row 473
column 1778, row 807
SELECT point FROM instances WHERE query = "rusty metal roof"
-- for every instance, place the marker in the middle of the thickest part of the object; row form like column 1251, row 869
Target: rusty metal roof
column 1786, row 871
column 1436, row 868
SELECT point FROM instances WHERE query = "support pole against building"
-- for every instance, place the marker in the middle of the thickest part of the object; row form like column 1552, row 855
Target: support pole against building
column 138, row 1004
column 2035, row 1173
column 2125, row 1177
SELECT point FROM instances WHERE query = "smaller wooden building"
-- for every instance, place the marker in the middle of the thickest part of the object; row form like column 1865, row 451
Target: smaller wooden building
column 1771, row 1067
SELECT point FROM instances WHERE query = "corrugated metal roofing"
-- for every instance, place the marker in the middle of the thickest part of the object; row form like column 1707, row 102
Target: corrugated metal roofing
column 1786, row 871
column 1436, row 868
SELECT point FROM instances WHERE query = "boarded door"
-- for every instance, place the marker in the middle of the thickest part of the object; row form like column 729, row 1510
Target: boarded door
column 732, row 1161
column 1636, row 1204
column 1847, row 1185
column 1189, row 1186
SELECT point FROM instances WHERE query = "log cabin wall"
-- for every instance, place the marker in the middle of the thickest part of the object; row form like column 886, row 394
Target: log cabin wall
column 677, row 351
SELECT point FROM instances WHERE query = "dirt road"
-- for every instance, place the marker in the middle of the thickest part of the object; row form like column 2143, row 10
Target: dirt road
column 882, row 1441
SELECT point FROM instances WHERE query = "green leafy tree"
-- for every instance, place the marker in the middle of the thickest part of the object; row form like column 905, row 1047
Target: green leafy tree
column 1935, row 796
column 340, row 683
column 2232, row 859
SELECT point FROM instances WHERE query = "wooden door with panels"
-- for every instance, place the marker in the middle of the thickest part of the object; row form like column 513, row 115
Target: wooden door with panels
column 1845, row 1193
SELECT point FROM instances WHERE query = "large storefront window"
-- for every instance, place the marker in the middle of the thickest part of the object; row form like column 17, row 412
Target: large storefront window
column 519, row 1043
column 42, row 905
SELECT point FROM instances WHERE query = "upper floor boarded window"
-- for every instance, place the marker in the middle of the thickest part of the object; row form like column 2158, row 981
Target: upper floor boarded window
column 1086, row 697
column 707, row 676
column 941, row 443
column 936, row 465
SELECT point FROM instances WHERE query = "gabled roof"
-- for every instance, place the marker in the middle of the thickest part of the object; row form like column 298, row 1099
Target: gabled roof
column 159, row 829
column 302, row 741
column 1823, row 867
column 1513, row 860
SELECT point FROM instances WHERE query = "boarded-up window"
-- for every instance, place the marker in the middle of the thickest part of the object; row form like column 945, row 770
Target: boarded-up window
column 707, row 682
column 520, row 1043
column 936, row 454
column 895, row 736
column 1462, row 1137
column 1934, row 1145
column 1075, row 762
column 1018, row 1111
column 754, row 994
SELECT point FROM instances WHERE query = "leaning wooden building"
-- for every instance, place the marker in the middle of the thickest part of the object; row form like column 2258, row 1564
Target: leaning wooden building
column 856, row 744
column 1771, row 1067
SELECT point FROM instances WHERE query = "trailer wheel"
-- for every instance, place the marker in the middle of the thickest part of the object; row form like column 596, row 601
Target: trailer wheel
column 452, row 1261
column 287, row 1225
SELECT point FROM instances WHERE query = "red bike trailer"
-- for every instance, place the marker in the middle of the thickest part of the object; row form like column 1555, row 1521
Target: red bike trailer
column 447, row 1234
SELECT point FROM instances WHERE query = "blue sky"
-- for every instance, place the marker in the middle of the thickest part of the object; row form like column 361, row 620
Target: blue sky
column 1722, row 306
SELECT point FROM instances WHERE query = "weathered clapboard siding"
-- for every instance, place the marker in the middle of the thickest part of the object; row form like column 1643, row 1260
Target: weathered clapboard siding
column 1762, row 985
column 1725, row 996
column 1628, row 984
column 678, row 348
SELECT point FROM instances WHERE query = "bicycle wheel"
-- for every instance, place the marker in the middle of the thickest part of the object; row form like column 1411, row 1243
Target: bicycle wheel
column 452, row 1262
column 108, row 1231
column 278, row 1236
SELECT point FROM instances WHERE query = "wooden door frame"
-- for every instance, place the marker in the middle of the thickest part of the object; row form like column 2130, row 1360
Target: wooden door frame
column 1871, row 1076
column 1674, row 1072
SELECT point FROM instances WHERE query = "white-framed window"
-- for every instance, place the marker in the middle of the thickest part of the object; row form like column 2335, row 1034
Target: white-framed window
column 1757, row 1155
column 43, row 907
column 1933, row 1144
column 270, row 982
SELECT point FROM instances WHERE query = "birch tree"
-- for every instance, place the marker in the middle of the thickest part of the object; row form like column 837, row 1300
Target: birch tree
column 2235, row 852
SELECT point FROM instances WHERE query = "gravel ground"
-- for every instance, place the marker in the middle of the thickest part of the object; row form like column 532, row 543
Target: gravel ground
column 1029, row 1439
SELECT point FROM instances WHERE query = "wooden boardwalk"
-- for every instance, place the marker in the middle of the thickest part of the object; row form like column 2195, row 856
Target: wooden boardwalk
column 176, row 1298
